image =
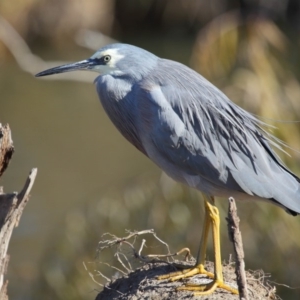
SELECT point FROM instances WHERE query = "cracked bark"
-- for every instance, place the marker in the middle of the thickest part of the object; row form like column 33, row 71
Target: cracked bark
column 11, row 205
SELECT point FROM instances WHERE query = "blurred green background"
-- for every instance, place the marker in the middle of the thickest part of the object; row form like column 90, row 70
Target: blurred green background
column 90, row 180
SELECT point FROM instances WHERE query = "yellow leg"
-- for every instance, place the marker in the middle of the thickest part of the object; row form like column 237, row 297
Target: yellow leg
column 211, row 219
column 199, row 267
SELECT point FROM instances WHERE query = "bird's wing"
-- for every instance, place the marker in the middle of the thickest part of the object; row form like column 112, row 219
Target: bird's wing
column 194, row 127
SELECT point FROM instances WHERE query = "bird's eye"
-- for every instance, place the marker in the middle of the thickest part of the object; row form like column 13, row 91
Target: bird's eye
column 107, row 58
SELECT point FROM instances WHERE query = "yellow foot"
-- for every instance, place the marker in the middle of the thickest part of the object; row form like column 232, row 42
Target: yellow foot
column 207, row 289
column 204, row 289
column 186, row 273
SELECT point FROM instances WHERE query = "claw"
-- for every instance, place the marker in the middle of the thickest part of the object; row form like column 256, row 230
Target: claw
column 186, row 273
column 207, row 289
column 204, row 289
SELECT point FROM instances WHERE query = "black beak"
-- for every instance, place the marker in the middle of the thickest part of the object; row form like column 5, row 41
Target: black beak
column 81, row 65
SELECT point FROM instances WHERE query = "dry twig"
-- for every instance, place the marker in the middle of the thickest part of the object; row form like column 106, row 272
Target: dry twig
column 150, row 258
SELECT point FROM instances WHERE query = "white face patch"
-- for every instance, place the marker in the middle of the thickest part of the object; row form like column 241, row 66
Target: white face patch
column 111, row 65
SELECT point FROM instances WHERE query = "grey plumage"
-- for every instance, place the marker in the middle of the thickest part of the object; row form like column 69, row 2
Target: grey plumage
column 188, row 127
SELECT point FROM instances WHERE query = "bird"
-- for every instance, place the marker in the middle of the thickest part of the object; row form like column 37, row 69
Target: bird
column 195, row 134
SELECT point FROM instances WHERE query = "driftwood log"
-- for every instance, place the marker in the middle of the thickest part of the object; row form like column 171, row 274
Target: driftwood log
column 11, row 205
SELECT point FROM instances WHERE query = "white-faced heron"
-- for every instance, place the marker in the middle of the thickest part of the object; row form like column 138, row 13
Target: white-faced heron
column 192, row 131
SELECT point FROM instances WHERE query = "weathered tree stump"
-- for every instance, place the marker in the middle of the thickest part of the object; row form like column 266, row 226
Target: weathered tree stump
column 11, row 206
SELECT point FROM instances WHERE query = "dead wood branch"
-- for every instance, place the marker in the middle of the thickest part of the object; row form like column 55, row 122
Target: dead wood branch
column 236, row 238
column 11, row 206
column 11, row 209
column 6, row 147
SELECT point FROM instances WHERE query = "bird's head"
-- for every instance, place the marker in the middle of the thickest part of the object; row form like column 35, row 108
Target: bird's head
column 115, row 59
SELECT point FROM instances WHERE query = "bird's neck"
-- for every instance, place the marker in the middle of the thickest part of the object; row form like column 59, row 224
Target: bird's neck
column 116, row 97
